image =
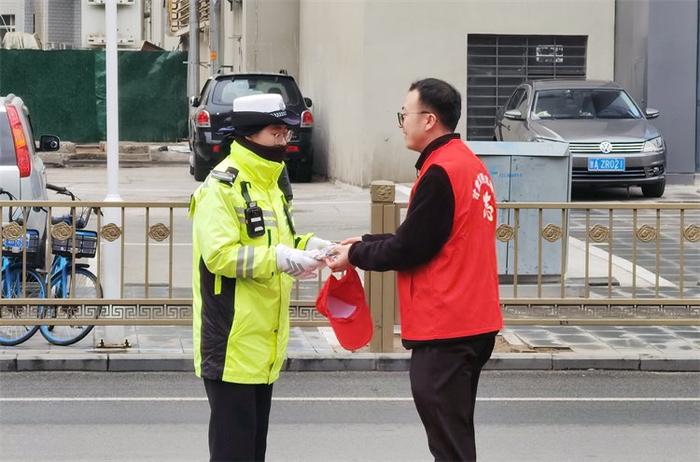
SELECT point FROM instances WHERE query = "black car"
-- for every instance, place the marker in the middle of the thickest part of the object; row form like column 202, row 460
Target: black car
column 214, row 105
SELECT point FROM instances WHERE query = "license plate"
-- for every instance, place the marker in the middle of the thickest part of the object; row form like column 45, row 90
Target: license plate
column 606, row 164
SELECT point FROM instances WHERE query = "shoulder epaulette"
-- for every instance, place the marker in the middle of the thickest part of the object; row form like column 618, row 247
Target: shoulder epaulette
column 227, row 177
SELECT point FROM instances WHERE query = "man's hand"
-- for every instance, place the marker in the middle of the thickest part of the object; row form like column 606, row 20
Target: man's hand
column 299, row 264
column 338, row 260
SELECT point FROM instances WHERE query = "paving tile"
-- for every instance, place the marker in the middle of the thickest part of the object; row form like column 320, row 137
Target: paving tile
column 159, row 341
column 689, row 335
column 585, row 347
column 627, row 343
column 610, row 334
column 646, row 330
column 575, row 338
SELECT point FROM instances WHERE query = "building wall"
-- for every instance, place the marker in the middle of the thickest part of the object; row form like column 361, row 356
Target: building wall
column 697, row 103
column 672, row 79
column 232, row 37
column 385, row 45
column 334, row 73
column 17, row 8
column 270, row 30
column 631, row 45
column 64, row 23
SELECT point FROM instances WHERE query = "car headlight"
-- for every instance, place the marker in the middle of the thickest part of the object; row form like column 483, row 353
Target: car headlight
column 654, row 145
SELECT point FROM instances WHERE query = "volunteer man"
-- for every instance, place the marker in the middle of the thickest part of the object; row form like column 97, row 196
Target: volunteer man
column 245, row 255
column 445, row 255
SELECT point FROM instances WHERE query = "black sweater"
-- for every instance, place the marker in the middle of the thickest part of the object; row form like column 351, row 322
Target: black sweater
column 426, row 229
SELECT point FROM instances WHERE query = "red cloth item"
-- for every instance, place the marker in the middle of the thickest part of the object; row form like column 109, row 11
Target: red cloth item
column 343, row 302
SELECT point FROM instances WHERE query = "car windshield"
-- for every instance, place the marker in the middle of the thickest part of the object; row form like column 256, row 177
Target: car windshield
column 228, row 90
column 584, row 104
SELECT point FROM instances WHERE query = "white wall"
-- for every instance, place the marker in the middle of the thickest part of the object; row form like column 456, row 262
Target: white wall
column 333, row 73
column 359, row 57
column 270, row 30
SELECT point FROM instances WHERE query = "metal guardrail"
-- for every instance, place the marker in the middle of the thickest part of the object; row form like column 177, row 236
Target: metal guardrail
column 154, row 240
column 639, row 231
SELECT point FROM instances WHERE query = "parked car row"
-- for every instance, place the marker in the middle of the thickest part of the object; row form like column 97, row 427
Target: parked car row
column 611, row 141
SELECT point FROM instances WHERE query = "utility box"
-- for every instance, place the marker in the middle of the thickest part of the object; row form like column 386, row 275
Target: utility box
column 529, row 172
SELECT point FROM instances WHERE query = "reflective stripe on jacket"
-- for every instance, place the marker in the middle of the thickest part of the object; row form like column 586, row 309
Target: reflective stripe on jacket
column 240, row 321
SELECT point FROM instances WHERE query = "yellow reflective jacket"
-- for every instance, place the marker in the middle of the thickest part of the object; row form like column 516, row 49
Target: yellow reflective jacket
column 240, row 321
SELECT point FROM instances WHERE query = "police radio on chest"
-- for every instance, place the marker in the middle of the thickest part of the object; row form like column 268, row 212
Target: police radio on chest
column 254, row 222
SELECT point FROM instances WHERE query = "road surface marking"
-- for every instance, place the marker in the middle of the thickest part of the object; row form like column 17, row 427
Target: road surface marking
column 340, row 399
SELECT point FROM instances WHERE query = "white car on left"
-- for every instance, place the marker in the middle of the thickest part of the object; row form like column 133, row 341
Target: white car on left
column 22, row 172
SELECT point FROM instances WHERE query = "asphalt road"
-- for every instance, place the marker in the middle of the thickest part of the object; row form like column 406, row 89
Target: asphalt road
column 521, row 416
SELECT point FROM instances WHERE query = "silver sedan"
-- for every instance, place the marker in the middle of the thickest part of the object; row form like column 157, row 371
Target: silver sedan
column 611, row 141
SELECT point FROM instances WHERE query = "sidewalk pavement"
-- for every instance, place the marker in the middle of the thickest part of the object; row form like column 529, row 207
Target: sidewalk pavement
column 647, row 348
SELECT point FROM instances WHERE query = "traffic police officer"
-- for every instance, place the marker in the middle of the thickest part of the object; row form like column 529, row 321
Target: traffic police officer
column 245, row 255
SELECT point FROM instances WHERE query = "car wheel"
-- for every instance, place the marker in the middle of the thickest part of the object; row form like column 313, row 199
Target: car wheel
column 654, row 189
column 191, row 170
column 200, row 170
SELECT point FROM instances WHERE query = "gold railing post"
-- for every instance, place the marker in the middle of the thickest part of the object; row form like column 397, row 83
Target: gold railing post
column 380, row 287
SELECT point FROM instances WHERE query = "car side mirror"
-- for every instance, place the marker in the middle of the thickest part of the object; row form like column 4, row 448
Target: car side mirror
column 652, row 113
column 513, row 114
column 194, row 101
column 308, row 102
column 49, row 143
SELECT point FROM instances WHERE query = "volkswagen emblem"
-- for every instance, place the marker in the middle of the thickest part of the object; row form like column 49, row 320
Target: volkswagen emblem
column 605, row 147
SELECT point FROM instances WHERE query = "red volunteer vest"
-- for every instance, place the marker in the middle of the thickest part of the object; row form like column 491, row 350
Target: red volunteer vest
column 456, row 293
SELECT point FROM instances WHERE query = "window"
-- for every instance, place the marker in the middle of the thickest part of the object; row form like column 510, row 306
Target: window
column 514, row 101
column 584, row 104
column 522, row 105
column 7, row 24
column 228, row 90
column 497, row 64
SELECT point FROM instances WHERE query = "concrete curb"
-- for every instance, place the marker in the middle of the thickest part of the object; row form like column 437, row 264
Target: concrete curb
column 63, row 362
column 182, row 362
column 152, row 157
column 8, row 362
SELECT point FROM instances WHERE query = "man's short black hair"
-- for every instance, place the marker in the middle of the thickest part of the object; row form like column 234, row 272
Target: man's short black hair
column 442, row 98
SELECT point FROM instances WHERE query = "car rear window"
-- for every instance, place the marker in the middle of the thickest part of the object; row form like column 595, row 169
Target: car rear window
column 228, row 90
column 7, row 148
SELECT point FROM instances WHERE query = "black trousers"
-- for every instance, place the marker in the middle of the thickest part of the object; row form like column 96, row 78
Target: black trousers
column 444, row 379
column 238, row 422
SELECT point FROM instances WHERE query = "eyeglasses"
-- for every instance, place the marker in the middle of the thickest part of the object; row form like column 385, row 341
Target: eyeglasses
column 283, row 136
column 402, row 115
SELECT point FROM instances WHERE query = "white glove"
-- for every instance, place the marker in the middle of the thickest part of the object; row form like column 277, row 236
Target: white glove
column 316, row 243
column 300, row 264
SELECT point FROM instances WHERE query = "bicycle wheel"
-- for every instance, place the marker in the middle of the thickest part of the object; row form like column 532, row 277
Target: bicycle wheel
column 34, row 288
column 85, row 287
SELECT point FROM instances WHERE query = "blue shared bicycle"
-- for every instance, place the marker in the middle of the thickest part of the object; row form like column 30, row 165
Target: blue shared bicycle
column 68, row 278
column 14, row 285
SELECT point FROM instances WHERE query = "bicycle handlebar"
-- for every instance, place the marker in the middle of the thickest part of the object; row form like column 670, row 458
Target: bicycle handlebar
column 82, row 220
